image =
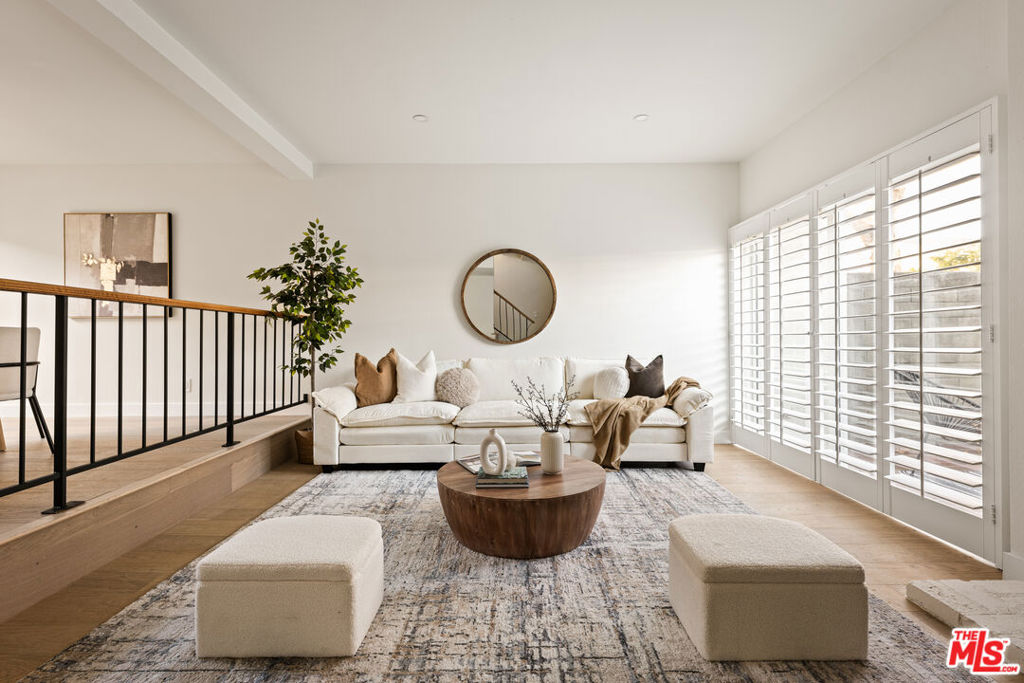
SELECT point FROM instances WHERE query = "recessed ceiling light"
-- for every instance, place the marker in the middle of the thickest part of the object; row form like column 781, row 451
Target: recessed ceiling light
column 420, row 118
column 641, row 117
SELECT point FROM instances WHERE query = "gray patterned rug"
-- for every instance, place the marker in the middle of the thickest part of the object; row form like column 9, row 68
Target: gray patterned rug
column 598, row 613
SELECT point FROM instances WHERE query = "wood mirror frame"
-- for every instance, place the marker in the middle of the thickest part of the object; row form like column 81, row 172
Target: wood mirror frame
column 497, row 252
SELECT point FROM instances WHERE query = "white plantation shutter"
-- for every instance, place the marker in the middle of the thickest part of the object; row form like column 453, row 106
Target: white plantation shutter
column 862, row 329
column 747, row 333
column 789, row 328
column 934, row 329
column 846, row 430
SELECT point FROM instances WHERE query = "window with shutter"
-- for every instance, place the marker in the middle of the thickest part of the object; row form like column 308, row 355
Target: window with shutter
column 747, row 333
column 789, row 333
column 846, row 350
column 862, row 328
column 935, row 330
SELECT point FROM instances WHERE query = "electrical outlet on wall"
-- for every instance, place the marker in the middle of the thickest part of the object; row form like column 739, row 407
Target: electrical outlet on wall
column 188, row 385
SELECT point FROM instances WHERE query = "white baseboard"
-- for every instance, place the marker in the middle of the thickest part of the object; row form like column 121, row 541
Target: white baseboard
column 1013, row 566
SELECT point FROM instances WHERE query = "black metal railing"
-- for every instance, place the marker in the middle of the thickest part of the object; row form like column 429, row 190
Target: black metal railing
column 267, row 360
column 511, row 324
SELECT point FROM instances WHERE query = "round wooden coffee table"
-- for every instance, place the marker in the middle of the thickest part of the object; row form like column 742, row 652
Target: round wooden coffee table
column 553, row 516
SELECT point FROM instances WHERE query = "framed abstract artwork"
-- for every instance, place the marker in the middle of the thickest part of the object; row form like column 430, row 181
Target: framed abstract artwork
column 128, row 253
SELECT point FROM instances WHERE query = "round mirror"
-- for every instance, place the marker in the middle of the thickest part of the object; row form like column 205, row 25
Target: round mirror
column 508, row 296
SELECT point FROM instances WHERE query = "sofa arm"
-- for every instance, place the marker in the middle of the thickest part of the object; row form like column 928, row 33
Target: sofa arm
column 325, row 437
column 690, row 400
column 700, row 435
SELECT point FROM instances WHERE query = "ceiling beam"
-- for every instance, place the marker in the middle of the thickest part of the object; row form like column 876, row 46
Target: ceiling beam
column 132, row 33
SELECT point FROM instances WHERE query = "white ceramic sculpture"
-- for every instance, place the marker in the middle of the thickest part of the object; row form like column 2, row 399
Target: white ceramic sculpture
column 506, row 460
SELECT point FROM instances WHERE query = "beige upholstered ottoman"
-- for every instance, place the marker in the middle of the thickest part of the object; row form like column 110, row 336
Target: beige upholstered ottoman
column 291, row 587
column 752, row 587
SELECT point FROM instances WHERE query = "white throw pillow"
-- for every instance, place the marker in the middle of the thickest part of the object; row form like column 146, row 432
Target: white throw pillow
column 339, row 401
column 416, row 382
column 690, row 400
column 611, row 383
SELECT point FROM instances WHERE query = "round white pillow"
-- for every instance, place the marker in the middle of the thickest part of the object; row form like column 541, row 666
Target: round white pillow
column 457, row 386
column 611, row 383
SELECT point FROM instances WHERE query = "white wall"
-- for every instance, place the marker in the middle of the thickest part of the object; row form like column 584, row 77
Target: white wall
column 637, row 251
column 970, row 54
column 953, row 64
column 1013, row 348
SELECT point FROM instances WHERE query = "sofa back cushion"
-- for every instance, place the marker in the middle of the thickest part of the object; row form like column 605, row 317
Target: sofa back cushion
column 496, row 375
column 585, row 370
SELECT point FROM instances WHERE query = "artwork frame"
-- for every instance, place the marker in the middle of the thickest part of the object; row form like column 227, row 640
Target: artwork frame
column 126, row 252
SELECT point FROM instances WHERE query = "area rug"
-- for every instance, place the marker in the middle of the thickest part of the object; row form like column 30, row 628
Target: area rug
column 598, row 613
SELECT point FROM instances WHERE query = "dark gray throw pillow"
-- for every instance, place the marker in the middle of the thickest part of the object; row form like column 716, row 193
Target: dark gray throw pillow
column 645, row 381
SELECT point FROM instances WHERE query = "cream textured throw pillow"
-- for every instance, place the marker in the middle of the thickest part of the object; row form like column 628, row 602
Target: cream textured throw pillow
column 611, row 383
column 416, row 382
column 457, row 386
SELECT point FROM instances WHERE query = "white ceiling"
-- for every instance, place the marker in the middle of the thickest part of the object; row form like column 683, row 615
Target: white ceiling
column 65, row 98
column 525, row 81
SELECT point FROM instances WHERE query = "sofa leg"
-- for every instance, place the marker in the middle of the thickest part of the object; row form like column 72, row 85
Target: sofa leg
column 699, row 466
column 327, row 469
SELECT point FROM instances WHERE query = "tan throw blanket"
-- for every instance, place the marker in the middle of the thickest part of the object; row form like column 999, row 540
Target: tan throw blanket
column 615, row 420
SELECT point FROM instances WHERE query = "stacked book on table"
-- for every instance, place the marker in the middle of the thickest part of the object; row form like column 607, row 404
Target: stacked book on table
column 514, row 478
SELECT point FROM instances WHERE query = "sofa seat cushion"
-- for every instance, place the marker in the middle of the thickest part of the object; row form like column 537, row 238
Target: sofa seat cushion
column 497, row 374
column 401, row 414
column 662, row 417
column 757, row 549
column 303, row 548
column 491, row 414
column 412, row 435
column 579, row 434
column 530, row 435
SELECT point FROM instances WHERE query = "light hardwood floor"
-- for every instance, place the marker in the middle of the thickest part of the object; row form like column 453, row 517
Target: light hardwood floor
column 891, row 552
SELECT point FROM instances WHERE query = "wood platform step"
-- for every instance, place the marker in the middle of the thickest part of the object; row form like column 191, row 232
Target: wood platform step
column 43, row 554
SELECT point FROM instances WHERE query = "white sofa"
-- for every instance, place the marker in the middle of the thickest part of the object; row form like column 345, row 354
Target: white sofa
column 432, row 431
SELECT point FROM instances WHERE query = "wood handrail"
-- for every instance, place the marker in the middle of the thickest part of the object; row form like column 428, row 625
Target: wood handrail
column 103, row 295
column 514, row 307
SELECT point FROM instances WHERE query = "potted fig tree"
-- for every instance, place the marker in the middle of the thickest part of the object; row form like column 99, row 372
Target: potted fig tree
column 313, row 289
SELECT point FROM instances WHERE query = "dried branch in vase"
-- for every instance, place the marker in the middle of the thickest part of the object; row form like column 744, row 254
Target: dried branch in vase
column 546, row 411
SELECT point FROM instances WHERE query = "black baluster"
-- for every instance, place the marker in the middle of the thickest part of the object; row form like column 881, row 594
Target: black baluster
column 201, row 369
column 167, row 312
column 120, row 377
column 216, row 367
column 145, row 363
column 264, row 363
column 241, row 378
column 92, row 381
column 60, row 409
column 23, row 378
column 230, row 436
column 184, row 361
column 254, row 344
column 273, row 363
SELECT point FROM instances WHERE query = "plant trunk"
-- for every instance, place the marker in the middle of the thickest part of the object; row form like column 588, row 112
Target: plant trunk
column 312, row 379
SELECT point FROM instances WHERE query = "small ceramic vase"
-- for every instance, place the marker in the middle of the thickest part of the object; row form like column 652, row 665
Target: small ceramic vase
column 504, row 461
column 551, row 458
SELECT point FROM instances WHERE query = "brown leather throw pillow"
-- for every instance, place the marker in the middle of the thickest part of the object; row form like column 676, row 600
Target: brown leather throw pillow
column 645, row 381
column 376, row 383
